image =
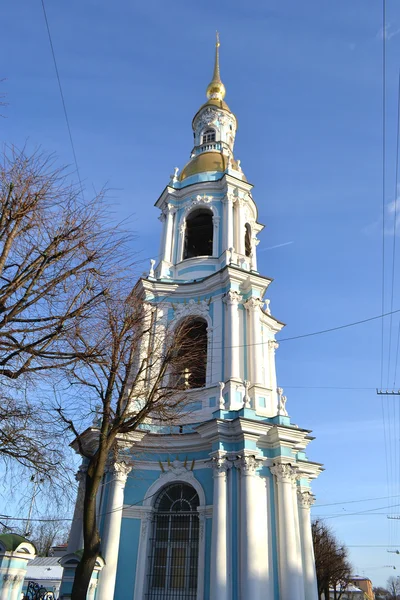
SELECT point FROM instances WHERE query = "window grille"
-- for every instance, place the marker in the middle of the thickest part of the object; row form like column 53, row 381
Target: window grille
column 174, row 545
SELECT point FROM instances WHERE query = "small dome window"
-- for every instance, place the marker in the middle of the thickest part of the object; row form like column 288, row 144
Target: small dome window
column 208, row 136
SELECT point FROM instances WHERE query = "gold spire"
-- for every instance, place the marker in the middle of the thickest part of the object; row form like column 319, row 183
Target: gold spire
column 216, row 88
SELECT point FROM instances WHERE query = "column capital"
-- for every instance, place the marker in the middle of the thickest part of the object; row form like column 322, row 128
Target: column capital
column 161, row 217
column 306, row 499
column 273, row 344
column 92, row 586
column 284, row 472
column 220, row 465
column 247, row 464
column 80, row 475
column 232, row 298
column 7, row 579
column 253, row 304
column 120, row 471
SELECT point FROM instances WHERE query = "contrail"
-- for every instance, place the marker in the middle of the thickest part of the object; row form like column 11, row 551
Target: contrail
column 277, row 246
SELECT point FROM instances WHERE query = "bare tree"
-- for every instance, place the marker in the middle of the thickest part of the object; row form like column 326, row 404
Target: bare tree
column 393, row 586
column 55, row 255
column 136, row 373
column 331, row 561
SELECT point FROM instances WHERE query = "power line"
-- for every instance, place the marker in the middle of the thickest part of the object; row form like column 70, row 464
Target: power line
column 62, row 95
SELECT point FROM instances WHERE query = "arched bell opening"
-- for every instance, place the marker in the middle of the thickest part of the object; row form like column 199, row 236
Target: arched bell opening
column 174, row 543
column 199, row 234
column 247, row 240
column 190, row 361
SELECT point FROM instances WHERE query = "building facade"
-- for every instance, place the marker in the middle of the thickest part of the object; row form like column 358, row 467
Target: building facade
column 217, row 507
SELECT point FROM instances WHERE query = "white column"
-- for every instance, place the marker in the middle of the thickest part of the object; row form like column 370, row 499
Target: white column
column 270, row 378
column 112, row 530
column 16, row 587
column 232, row 338
column 228, row 222
column 92, row 590
column 300, row 579
column 306, row 500
column 75, row 539
column 7, row 581
column 162, row 218
column 143, row 552
column 219, row 537
column 240, row 203
column 253, row 305
column 215, row 249
column 181, row 241
column 169, row 233
column 249, row 530
column 289, row 561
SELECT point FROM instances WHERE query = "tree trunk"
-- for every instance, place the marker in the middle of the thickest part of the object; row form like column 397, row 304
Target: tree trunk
column 91, row 536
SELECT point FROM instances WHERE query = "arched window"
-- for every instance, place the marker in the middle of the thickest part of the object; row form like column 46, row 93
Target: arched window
column 247, row 240
column 199, row 234
column 173, row 566
column 208, row 136
column 190, row 361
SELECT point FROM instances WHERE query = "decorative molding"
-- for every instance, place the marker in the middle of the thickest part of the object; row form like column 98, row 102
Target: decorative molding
column 231, row 298
column 247, row 464
column 120, row 471
column 306, row 499
column 253, row 304
column 284, row 472
column 220, row 465
column 192, row 308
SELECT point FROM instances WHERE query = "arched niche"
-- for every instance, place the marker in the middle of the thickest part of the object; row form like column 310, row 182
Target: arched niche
column 247, row 240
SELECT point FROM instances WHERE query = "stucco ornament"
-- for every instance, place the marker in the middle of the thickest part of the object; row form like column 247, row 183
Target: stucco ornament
column 221, row 395
column 246, row 399
column 306, row 499
column 281, row 403
column 120, row 470
column 247, row 464
column 192, row 308
column 209, row 117
column 284, row 472
column 220, row 465
column 232, row 297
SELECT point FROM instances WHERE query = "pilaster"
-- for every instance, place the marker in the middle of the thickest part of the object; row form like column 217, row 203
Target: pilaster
column 290, row 571
column 232, row 337
column 253, row 306
column 75, row 540
column 219, row 586
column 249, row 531
column 305, row 501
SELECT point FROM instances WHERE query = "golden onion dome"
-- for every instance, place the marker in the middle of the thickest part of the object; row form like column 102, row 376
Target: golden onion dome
column 206, row 162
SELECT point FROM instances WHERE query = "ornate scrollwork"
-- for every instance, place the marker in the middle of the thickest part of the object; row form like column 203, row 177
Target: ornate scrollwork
column 232, row 298
column 192, row 308
column 284, row 472
column 220, row 466
column 247, row 464
column 120, row 470
column 253, row 304
column 306, row 499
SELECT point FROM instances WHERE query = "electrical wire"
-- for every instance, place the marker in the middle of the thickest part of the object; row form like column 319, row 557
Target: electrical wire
column 62, row 96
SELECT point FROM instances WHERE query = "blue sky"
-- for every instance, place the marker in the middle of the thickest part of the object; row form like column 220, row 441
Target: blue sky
column 305, row 81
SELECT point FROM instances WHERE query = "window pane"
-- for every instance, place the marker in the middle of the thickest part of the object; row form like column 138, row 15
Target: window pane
column 178, row 559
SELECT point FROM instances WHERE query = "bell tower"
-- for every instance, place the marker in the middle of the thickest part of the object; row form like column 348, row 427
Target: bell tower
column 216, row 507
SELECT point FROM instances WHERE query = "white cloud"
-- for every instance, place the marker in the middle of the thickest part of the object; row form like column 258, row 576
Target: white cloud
column 388, row 32
column 276, row 246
